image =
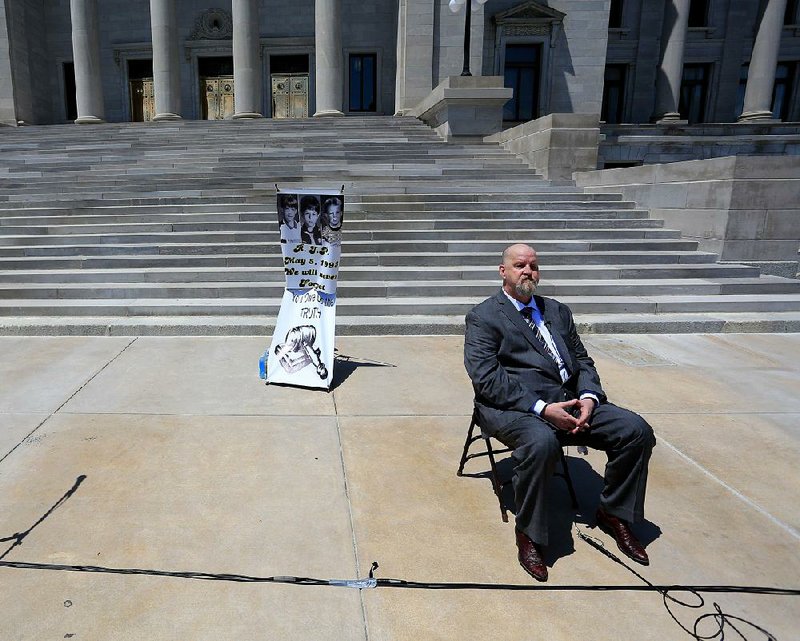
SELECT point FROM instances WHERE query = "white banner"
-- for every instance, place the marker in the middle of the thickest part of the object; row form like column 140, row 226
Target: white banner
column 301, row 352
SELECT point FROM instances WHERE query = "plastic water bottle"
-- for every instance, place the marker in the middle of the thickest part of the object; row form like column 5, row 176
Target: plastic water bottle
column 262, row 366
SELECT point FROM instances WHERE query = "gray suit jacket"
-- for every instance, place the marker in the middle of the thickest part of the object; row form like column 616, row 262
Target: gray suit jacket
column 509, row 367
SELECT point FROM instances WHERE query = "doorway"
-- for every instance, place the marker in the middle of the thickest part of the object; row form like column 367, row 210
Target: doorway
column 522, row 69
column 70, row 99
column 216, row 87
column 289, row 85
column 140, row 86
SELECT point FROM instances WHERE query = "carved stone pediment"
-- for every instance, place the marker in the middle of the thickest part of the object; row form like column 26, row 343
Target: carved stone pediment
column 531, row 12
column 213, row 24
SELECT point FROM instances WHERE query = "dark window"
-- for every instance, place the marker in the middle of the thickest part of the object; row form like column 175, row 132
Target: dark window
column 615, row 15
column 698, row 13
column 138, row 69
column 215, row 67
column 782, row 91
column 790, row 17
column 694, row 92
column 521, row 73
column 70, row 99
column 613, row 93
column 363, row 81
column 622, row 164
column 289, row 64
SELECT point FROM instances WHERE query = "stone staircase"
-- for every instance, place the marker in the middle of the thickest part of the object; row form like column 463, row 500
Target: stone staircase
column 170, row 229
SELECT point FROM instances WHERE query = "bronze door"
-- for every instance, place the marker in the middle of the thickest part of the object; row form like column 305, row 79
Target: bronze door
column 289, row 95
column 217, row 98
column 143, row 100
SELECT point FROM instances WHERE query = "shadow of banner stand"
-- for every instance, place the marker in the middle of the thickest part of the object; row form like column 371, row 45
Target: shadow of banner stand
column 301, row 351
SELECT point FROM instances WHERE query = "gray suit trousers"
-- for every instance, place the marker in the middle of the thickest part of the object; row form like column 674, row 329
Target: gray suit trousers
column 626, row 438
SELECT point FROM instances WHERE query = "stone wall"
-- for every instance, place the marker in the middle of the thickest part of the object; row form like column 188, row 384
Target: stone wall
column 371, row 27
column 8, row 112
column 556, row 145
column 448, row 41
column 465, row 108
column 59, row 37
column 578, row 53
column 27, row 40
column 745, row 208
column 651, row 144
column 580, row 57
column 414, row 79
column 431, row 48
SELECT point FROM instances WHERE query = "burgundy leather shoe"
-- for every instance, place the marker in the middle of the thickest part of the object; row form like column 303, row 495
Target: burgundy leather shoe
column 627, row 543
column 530, row 557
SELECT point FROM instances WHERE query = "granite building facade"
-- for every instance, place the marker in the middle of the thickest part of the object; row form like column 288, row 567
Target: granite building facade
column 632, row 61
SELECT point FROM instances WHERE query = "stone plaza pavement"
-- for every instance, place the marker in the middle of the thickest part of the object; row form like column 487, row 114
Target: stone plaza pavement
column 192, row 464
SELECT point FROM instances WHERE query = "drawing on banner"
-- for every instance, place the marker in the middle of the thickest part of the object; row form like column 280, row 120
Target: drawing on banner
column 301, row 352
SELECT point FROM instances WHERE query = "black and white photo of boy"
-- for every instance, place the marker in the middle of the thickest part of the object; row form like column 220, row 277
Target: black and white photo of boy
column 332, row 218
column 310, row 233
column 288, row 216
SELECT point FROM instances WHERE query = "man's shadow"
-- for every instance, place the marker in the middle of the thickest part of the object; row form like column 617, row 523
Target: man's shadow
column 587, row 484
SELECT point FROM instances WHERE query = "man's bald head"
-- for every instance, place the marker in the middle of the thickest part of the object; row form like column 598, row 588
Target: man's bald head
column 513, row 250
column 520, row 271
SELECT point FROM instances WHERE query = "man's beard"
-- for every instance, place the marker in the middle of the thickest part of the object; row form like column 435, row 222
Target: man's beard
column 526, row 287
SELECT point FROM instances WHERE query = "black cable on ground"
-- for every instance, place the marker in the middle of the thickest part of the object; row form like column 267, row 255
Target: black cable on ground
column 19, row 537
column 402, row 583
column 717, row 621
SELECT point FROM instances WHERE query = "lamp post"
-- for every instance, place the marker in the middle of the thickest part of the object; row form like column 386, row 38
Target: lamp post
column 472, row 5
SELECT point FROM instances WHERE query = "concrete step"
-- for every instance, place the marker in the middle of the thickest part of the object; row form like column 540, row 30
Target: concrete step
column 251, row 197
column 564, row 204
column 154, row 259
column 263, row 326
column 398, row 306
column 402, row 247
column 495, row 200
column 553, row 273
column 255, row 172
column 357, row 289
column 267, row 221
column 161, row 234
column 260, row 213
column 67, row 210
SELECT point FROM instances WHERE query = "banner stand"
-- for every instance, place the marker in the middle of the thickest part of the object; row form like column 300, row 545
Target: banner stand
column 301, row 350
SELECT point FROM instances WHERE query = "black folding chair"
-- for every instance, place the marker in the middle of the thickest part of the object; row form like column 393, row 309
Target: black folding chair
column 492, row 473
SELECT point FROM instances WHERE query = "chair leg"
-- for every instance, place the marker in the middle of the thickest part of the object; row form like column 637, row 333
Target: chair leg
column 568, row 480
column 498, row 488
column 467, row 443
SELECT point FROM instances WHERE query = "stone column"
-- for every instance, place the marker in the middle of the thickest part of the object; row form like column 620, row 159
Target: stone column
column 670, row 68
column 763, row 63
column 328, row 46
column 414, row 79
column 86, row 57
column 166, row 60
column 246, row 60
column 400, row 71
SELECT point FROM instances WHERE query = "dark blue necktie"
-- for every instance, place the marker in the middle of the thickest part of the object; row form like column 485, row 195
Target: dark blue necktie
column 527, row 314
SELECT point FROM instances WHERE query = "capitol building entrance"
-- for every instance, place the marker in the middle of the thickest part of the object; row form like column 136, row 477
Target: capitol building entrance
column 216, row 87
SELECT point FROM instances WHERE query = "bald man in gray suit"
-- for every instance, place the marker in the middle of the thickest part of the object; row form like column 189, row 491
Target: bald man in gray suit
column 536, row 389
